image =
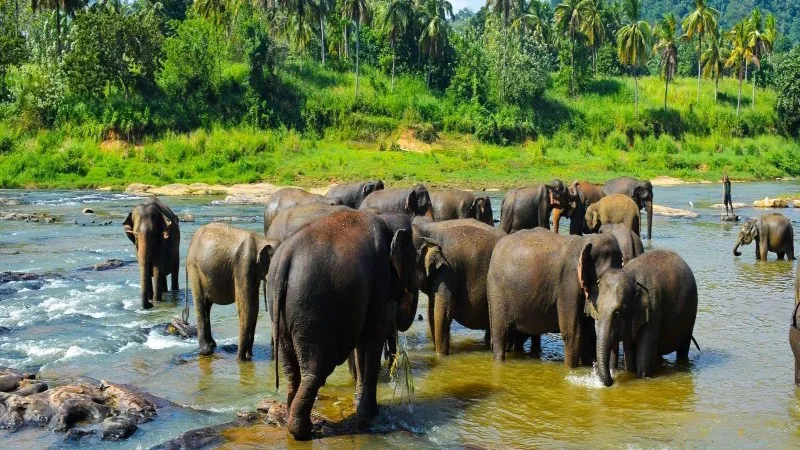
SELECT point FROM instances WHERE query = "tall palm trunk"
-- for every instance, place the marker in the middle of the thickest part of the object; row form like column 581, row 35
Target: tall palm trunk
column 753, row 101
column 358, row 26
column 505, row 55
column 346, row 44
column 666, row 90
column 394, row 54
column 572, row 64
column 322, row 38
column 716, row 86
column 739, row 99
column 635, row 92
column 58, row 31
column 699, row 57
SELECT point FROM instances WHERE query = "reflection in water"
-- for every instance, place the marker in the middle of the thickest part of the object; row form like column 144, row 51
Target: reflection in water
column 737, row 393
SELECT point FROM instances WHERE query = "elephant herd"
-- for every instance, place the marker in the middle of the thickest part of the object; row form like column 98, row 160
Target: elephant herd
column 342, row 274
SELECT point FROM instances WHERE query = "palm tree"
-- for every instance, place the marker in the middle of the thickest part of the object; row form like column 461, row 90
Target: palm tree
column 321, row 8
column 699, row 22
column 435, row 29
column 591, row 18
column 302, row 33
column 503, row 8
column 568, row 21
column 395, row 19
column 740, row 54
column 358, row 12
column 667, row 48
column 713, row 60
column 759, row 45
column 533, row 19
column 770, row 34
column 69, row 7
column 632, row 42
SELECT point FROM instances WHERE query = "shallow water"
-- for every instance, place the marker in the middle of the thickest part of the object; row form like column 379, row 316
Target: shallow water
column 738, row 392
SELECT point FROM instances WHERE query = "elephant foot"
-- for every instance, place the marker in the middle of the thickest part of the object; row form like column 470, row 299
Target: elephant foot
column 367, row 409
column 299, row 427
column 244, row 357
column 147, row 305
column 207, row 349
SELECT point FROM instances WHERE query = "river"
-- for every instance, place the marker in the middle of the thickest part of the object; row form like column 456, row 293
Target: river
column 738, row 392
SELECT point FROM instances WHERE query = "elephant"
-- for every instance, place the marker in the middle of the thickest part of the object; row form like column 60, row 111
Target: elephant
column 414, row 201
column 629, row 243
column 794, row 339
column 290, row 221
column 530, row 207
column 454, row 204
column 352, row 194
column 290, row 197
column 154, row 230
column 582, row 194
column 772, row 232
column 337, row 285
column 615, row 208
column 534, row 286
column 651, row 304
column 225, row 265
column 452, row 266
column 639, row 191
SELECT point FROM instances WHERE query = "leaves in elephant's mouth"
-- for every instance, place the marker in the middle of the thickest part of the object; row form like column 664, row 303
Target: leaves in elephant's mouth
column 401, row 375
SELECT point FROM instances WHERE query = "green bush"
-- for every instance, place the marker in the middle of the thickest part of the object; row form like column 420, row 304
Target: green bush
column 787, row 85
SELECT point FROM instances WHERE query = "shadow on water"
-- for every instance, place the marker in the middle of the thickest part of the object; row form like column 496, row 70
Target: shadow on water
column 759, row 272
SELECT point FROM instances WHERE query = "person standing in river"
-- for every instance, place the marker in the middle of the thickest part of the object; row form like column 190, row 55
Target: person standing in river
column 726, row 191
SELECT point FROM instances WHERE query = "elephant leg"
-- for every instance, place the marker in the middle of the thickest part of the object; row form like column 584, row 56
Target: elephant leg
column 517, row 341
column 299, row 421
column 556, row 218
column 202, row 310
column 432, row 321
column 790, row 247
column 780, row 255
column 176, row 270
column 646, row 351
column 159, row 281
column 572, row 349
column 292, row 370
column 613, row 356
column 588, row 343
column 536, row 345
column 487, row 338
column 391, row 347
column 247, row 306
column 762, row 248
column 359, row 357
column 499, row 339
column 368, row 405
column 442, row 301
column 629, row 352
column 682, row 353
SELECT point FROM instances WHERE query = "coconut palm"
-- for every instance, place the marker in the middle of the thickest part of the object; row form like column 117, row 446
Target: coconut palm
column 435, row 29
column 759, row 46
column 503, row 9
column 358, row 12
column 713, row 60
column 666, row 46
column 534, row 20
column 700, row 22
column 740, row 54
column 592, row 26
column 632, row 42
column 568, row 21
column 395, row 19
column 321, row 9
column 770, row 34
column 68, row 7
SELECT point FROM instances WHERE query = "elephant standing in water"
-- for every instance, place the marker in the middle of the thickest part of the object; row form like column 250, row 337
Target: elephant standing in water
column 153, row 228
column 615, row 208
column 629, row 242
column 651, row 305
column 292, row 220
column 337, row 285
column 772, row 232
column 352, row 194
column 582, row 194
column 226, row 265
column 452, row 264
column 530, row 207
column 414, row 201
column 290, row 197
column 641, row 192
column 540, row 282
column 794, row 331
column 454, row 204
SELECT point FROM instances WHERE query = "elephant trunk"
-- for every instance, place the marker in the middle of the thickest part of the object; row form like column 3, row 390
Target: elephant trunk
column 604, row 330
column 406, row 310
column 146, row 275
column 736, row 251
column 649, row 207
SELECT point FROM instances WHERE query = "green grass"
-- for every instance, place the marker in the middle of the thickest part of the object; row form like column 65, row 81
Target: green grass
column 594, row 136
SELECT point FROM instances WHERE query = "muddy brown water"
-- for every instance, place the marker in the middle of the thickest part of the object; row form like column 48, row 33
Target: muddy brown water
column 737, row 393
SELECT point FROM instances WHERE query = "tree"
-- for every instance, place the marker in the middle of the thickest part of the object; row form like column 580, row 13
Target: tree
column 503, row 8
column 568, row 21
column 787, row 86
column 713, row 60
column 592, row 26
column 632, row 42
column 69, row 7
column 12, row 52
column 700, row 22
column 435, row 29
column 534, row 20
column 740, row 54
column 395, row 20
column 321, row 8
column 358, row 12
column 759, row 45
column 666, row 46
column 771, row 34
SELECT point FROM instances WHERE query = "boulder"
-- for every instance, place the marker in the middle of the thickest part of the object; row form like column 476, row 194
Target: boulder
column 659, row 210
column 188, row 217
column 771, row 203
column 29, row 217
column 107, row 265
column 88, row 211
column 117, row 428
column 736, row 205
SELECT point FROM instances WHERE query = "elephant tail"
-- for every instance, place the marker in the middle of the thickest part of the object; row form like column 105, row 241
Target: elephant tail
column 281, row 279
column 697, row 346
column 185, row 313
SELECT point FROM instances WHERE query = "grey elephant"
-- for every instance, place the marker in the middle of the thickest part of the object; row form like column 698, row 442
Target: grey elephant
column 336, row 286
column 455, row 204
column 292, row 220
column 650, row 304
column 452, row 265
column 530, row 207
column 794, row 337
column 534, row 287
column 352, row 194
column 290, row 197
column 226, row 265
column 640, row 191
column 629, row 242
column 581, row 195
column 614, row 208
column 414, row 201
column 771, row 232
column 154, row 230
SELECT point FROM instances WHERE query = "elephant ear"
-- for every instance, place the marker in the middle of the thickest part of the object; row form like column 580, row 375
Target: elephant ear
column 476, row 207
column 167, row 227
column 586, row 278
column 411, row 203
column 642, row 313
column 432, row 257
column 400, row 242
column 636, row 195
column 265, row 254
column 367, row 189
column 127, row 225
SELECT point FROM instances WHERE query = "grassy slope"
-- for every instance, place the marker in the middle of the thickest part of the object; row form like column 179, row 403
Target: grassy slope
column 592, row 145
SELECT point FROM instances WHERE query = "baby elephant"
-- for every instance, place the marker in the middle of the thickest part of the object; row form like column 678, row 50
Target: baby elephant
column 226, row 264
column 615, row 208
column 772, row 232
